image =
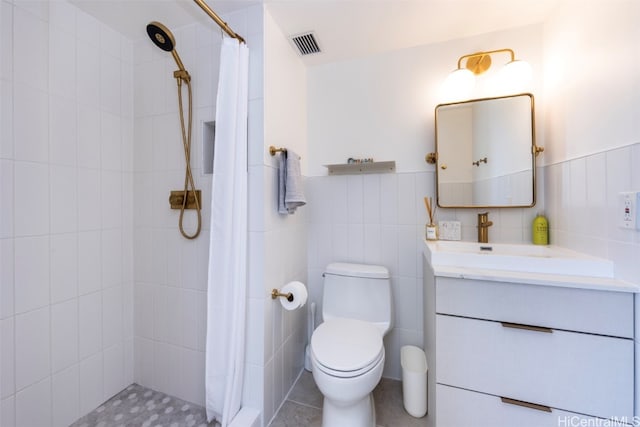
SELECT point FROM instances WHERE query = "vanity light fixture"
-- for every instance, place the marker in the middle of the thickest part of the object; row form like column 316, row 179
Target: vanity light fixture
column 462, row 80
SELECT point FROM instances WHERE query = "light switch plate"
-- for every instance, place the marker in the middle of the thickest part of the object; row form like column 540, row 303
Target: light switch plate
column 449, row 230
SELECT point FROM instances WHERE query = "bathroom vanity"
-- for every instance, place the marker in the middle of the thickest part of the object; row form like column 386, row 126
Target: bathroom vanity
column 513, row 339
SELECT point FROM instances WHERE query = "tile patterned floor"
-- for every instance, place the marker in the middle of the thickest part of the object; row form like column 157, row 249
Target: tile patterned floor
column 138, row 406
column 303, row 408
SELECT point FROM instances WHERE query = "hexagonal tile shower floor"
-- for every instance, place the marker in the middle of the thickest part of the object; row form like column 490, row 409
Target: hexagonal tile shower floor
column 142, row 407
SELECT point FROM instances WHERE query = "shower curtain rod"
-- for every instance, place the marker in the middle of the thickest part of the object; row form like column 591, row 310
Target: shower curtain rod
column 218, row 20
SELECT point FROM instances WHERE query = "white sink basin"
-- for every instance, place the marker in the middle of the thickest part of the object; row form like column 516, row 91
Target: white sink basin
column 515, row 257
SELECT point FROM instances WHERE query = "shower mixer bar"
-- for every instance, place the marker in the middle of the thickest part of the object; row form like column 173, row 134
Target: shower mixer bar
column 218, row 20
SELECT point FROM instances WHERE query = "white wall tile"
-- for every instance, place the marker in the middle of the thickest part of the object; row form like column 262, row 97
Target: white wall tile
column 33, row 405
column 111, row 258
column 112, row 316
column 89, row 266
column 145, row 360
column 113, row 371
column 31, row 273
column 355, row 199
column 6, row 117
column 6, row 278
column 31, row 195
column 62, row 62
column 192, row 380
column 596, row 167
column 30, row 123
column 64, row 199
column 62, row 16
column 91, row 382
column 635, row 173
column 64, row 335
column 373, row 244
column 7, row 358
column 143, row 310
column 87, row 70
column 62, row 131
column 31, row 49
column 7, row 412
column 406, row 198
column 32, row 347
column 39, row 9
column 6, row 193
column 389, row 198
column 90, row 324
column 66, row 397
column 111, row 141
column 371, row 199
column 618, row 179
column 88, row 141
column 89, row 204
column 6, row 44
column 174, row 316
column 160, row 308
column 109, row 41
column 64, row 267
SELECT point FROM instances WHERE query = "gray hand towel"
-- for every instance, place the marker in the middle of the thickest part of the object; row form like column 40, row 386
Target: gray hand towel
column 290, row 184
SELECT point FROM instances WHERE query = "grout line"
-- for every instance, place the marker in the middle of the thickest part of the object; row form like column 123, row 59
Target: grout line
column 306, row 405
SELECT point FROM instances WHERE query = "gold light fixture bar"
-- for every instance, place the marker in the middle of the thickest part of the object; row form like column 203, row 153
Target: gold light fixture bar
column 219, row 20
column 480, row 62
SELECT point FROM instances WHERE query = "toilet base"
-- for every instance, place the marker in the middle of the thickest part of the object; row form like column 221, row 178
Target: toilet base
column 355, row 414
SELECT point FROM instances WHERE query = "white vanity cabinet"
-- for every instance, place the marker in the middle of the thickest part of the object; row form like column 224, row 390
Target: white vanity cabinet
column 510, row 354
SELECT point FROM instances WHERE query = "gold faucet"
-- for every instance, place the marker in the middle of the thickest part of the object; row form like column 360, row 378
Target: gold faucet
column 483, row 227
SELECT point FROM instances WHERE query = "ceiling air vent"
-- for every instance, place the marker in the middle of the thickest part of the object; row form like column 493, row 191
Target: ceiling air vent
column 306, row 43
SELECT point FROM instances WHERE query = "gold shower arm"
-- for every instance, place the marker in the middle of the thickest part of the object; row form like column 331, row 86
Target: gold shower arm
column 218, row 20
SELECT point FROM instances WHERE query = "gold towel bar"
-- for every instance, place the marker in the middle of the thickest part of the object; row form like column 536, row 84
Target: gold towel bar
column 273, row 150
column 276, row 293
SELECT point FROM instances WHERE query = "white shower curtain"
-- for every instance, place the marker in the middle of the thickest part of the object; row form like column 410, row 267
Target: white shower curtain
column 227, row 282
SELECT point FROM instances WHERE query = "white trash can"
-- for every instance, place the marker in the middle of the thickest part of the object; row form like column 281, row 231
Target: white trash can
column 414, row 380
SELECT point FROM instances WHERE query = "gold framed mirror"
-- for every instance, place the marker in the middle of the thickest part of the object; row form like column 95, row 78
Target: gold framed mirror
column 486, row 153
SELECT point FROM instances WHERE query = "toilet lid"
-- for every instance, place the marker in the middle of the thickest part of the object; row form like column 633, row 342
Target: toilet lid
column 346, row 344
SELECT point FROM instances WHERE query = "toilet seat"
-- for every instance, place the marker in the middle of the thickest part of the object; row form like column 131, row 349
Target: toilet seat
column 346, row 348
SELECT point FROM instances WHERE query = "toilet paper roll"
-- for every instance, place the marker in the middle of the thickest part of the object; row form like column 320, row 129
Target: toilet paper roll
column 299, row 292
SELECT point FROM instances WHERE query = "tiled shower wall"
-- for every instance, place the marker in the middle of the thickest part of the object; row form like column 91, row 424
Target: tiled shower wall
column 170, row 271
column 65, row 213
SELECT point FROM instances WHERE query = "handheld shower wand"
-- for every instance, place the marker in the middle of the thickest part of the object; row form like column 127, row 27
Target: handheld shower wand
column 162, row 37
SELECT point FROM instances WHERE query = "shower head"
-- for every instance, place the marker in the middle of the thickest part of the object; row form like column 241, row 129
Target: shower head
column 162, row 37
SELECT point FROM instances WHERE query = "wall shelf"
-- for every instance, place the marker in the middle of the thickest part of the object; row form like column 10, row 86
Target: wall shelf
column 361, row 168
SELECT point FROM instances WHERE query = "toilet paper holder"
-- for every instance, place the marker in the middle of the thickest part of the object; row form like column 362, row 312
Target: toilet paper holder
column 275, row 293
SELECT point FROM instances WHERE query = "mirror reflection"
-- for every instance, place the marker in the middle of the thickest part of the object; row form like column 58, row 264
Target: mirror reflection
column 485, row 153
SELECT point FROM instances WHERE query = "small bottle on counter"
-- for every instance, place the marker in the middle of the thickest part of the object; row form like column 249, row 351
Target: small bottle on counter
column 540, row 230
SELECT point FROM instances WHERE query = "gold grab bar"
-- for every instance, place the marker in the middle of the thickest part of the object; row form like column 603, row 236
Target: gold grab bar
column 276, row 293
column 527, row 327
column 218, row 20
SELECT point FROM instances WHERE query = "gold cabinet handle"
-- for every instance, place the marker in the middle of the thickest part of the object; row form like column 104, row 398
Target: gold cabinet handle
column 527, row 327
column 523, row 404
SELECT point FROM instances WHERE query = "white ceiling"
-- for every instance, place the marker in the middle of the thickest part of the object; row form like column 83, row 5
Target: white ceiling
column 344, row 28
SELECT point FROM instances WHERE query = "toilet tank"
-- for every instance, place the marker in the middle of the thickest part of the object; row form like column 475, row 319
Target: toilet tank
column 358, row 291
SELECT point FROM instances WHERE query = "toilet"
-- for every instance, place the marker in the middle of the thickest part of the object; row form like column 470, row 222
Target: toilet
column 347, row 351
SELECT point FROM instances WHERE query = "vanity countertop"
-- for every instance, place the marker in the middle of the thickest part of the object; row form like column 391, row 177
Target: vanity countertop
column 526, row 264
